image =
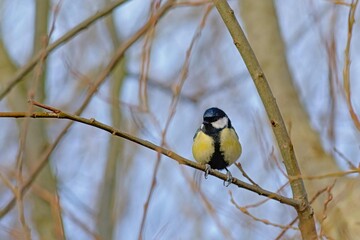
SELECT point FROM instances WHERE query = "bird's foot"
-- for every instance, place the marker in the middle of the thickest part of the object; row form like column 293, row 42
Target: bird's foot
column 229, row 178
column 207, row 169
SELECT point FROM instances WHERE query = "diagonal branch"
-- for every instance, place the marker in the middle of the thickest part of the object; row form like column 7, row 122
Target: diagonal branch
column 21, row 73
column 305, row 212
column 172, row 155
column 113, row 62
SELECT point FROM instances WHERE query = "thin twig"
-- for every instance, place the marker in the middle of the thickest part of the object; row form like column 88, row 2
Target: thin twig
column 350, row 164
column 21, row 73
column 145, row 59
column 54, row 202
column 328, row 175
column 347, row 61
column 41, row 39
column 115, row 59
column 172, row 110
column 326, row 203
column 257, row 204
column 192, row 3
column 265, row 221
column 244, row 173
column 274, row 158
column 117, row 56
column 43, row 159
column 281, row 234
column 144, row 105
column 40, row 105
column 208, row 206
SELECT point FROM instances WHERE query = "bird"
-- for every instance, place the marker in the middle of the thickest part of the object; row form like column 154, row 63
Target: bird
column 216, row 143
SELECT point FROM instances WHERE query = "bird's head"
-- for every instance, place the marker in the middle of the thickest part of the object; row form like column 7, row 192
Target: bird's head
column 216, row 117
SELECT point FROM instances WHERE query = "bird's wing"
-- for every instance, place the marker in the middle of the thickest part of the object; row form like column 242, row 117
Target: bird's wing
column 235, row 132
column 197, row 131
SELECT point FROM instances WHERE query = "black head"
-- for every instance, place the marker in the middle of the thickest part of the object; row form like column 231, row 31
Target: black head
column 215, row 119
column 213, row 114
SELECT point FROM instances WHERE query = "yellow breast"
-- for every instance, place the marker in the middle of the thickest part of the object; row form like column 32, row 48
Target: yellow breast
column 230, row 145
column 203, row 147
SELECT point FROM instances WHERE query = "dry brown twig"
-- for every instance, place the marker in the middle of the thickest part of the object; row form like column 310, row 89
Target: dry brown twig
column 43, row 159
column 257, row 204
column 32, row 92
column 330, row 43
column 145, row 59
column 54, row 202
column 207, row 205
column 349, row 163
column 264, row 221
column 238, row 165
column 274, row 158
column 60, row 114
column 91, row 92
column 21, row 73
column 192, row 3
column 328, row 175
column 172, row 110
column 326, row 204
column 282, row 233
column 342, row 3
column 92, row 122
column 347, row 61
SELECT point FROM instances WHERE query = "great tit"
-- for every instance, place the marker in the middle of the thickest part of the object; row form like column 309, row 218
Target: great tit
column 216, row 143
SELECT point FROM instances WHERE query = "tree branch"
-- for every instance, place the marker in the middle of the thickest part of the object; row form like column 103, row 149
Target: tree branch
column 181, row 160
column 113, row 62
column 305, row 212
column 21, row 73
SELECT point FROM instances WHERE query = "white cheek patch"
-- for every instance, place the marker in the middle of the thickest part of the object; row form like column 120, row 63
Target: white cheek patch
column 221, row 123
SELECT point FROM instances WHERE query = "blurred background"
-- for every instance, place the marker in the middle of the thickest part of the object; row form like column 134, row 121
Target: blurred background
column 151, row 68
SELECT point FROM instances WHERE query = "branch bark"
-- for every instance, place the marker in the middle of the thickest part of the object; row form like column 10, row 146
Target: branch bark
column 305, row 212
column 57, row 114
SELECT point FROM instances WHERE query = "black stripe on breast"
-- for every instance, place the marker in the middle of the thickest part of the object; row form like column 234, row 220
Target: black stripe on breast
column 217, row 160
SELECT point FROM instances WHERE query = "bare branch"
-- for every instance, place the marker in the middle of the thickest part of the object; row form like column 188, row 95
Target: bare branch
column 346, row 70
column 21, row 73
column 307, row 223
column 149, row 145
column 265, row 221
